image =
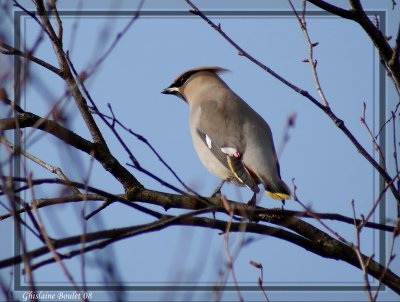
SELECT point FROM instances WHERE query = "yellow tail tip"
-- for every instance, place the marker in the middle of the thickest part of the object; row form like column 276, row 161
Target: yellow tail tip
column 279, row 196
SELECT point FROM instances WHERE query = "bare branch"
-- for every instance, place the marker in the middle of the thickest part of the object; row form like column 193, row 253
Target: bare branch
column 28, row 119
column 324, row 246
column 9, row 50
column 394, row 61
column 357, row 14
column 117, row 39
column 363, row 263
column 260, row 278
column 311, row 61
column 108, row 161
column 47, row 166
column 333, row 9
column 38, row 182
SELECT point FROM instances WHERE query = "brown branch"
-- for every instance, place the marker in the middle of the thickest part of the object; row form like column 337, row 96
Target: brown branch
column 396, row 51
column 358, row 15
column 42, row 181
column 102, row 153
column 191, row 202
column 373, row 32
column 332, row 9
column 163, row 222
column 45, row 202
column 108, row 161
column 116, row 40
column 391, row 257
column 301, row 233
column 69, row 78
column 328, row 247
column 112, row 121
column 357, row 250
column 28, row 119
column 45, row 165
column 48, row 242
column 53, row 8
column 311, row 61
column 260, row 278
column 9, row 50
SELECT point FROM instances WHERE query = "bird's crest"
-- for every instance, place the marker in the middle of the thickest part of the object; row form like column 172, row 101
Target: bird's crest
column 181, row 79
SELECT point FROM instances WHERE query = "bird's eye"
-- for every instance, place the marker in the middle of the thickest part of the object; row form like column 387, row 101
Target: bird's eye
column 182, row 80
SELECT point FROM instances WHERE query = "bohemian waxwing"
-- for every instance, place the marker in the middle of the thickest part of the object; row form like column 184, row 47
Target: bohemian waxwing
column 231, row 139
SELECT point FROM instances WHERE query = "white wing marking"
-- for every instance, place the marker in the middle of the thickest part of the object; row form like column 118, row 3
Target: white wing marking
column 208, row 142
column 229, row 150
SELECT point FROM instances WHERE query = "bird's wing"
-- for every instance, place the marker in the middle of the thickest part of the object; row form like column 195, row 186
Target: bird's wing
column 221, row 130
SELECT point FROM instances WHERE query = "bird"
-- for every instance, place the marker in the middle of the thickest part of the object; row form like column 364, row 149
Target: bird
column 231, row 139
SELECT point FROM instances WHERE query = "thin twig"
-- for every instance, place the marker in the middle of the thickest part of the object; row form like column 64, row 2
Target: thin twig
column 391, row 257
column 260, row 278
column 51, row 6
column 107, row 237
column 310, row 212
column 117, row 38
column 395, row 154
column 148, row 144
column 357, row 250
column 290, row 123
column 47, row 166
column 388, row 120
column 229, row 258
column 377, row 148
column 53, row 251
column 310, row 60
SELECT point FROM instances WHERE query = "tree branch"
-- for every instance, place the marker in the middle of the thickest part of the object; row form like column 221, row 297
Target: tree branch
column 69, row 78
column 333, row 9
column 28, row 119
column 301, row 233
column 190, row 202
column 109, row 162
column 357, row 14
column 329, row 248
column 9, row 50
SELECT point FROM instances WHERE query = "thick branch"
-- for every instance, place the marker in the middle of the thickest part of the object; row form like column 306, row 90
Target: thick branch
column 373, row 32
column 301, row 233
column 338, row 251
column 191, row 202
column 333, row 9
column 9, row 50
column 103, row 153
column 108, row 161
column 395, row 60
column 28, row 119
column 357, row 14
column 69, row 78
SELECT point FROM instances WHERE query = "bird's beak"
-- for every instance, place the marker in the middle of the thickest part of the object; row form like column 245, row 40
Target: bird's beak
column 173, row 91
column 170, row 90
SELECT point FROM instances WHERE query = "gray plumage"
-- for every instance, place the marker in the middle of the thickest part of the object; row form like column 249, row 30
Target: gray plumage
column 231, row 139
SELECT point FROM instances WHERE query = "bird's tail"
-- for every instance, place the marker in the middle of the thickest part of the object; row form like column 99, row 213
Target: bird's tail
column 278, row 190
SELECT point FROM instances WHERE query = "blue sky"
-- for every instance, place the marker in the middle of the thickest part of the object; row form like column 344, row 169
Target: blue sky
column 328, row 170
